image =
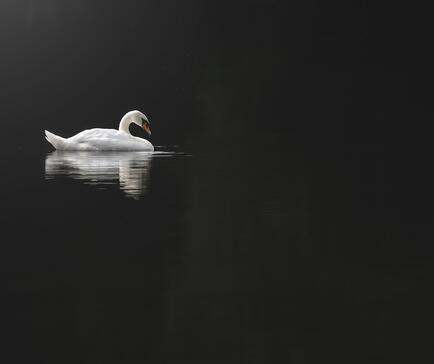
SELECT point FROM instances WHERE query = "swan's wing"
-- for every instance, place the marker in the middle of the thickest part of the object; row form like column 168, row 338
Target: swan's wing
column 86, row 135
column 108, row 139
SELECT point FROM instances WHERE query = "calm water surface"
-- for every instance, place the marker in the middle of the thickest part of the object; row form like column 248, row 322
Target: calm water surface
column 216, row 256
column 129, row 170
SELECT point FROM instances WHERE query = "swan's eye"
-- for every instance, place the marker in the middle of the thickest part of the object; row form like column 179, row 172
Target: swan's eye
column 146, row 126
column 145, row 122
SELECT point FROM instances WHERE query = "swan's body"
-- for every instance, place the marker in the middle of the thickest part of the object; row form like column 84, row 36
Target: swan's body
column 106, row 139
column 99, row 140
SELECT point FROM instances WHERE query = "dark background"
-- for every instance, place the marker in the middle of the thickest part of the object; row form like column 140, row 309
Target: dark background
column 301, row 229
column 221, row 69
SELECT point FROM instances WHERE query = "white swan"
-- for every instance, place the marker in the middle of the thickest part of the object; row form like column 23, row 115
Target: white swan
column 107, row 139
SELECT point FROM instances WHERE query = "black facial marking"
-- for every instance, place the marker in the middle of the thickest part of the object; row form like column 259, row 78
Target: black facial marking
column 144, row 121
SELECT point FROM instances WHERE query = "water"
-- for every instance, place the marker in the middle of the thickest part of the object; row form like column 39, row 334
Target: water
column 285, row 218
column 211, row 256
column 129, row 170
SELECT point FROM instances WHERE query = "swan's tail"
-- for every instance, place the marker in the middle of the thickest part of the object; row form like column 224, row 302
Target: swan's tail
column 56, row 141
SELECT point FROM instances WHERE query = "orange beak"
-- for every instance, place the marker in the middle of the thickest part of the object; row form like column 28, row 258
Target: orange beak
column 146, row 128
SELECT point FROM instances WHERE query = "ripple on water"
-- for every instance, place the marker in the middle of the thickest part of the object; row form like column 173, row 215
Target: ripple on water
column 129, row 170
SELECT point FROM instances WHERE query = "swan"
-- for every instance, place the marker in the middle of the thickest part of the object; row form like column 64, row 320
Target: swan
column 107, row 139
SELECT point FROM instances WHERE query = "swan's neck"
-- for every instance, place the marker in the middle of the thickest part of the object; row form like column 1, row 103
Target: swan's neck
column 125, row 123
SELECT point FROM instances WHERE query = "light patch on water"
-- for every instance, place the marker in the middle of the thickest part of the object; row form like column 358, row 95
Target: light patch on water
column 129, row 170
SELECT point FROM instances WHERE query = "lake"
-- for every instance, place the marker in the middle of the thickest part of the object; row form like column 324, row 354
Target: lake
column 231, row 256
column 285, row 217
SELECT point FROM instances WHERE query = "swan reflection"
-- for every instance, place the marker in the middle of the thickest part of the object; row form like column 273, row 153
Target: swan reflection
column 129, row 170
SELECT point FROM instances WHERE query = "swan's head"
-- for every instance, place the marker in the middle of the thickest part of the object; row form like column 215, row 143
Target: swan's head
column 137, row 117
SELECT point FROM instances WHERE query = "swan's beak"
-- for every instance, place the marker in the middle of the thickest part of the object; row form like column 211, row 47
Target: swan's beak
column 146, row 128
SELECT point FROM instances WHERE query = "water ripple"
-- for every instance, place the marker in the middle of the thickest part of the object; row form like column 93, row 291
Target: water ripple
column 129, row 170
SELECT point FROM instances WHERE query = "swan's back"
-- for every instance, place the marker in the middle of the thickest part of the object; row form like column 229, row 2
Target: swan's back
column 101, row 139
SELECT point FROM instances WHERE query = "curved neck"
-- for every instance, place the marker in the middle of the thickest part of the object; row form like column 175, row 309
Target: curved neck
column 125, row 123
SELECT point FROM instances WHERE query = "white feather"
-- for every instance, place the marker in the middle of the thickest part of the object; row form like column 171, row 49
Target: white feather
column 104, row 139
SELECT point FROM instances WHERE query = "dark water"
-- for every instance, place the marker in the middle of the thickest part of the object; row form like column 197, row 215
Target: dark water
column 310, row 253
column 286, row 217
